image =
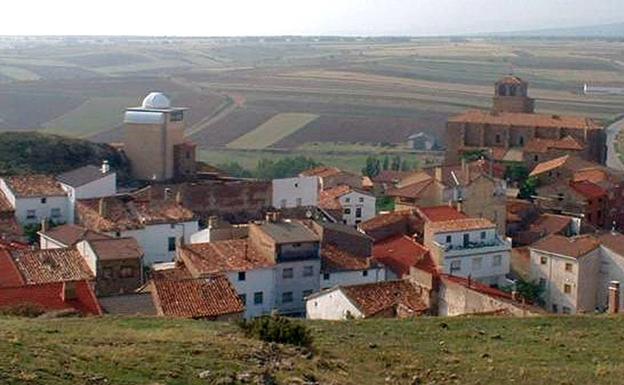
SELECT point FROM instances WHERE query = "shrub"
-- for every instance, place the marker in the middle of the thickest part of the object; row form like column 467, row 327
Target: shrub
column 277, row 329
column 29, row 310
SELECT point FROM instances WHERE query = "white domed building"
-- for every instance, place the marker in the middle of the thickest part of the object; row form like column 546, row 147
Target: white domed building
column 154, row 140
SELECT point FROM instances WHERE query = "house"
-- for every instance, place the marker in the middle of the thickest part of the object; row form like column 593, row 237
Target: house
column 64, row 236
column 340, row 267
column 47, row 266
column 35, row 198
column 295, row 192
column 157, row 225
column 88, row 182
column 545, row 225
column 117, row 264
column 210, row 298
column 382, row 226
column 576, row 271
column 330, row 177
column 392, row 299
column 347, row 205
column 400, row 254
column 343, row 237
column 387, row 179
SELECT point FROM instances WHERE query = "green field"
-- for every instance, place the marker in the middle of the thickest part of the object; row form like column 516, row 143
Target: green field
column 470, row 351
column 272, row 131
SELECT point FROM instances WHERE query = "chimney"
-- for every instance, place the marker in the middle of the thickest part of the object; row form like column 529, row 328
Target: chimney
column 44, row 225
column 272, row 216
column 465, row 167
column 614, row 297
column 69, row 291
column 438, row 174
column 105, row 167
column 102, row 207
column 167, row 193
column 178, row 196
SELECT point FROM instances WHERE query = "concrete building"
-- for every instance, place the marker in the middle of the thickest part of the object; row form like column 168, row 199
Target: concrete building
column 296, row 192
column 348, row 205
column 154, row 140
column 35, row 198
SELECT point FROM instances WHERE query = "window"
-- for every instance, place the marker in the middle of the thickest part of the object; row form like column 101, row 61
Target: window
column 308, row 271
column 358, row 212
column 466, row 239
column 365, row 273
column 172, row 226
column 258, row 298
column 497, row 261
column 242, row 276
column 568, row 267
column 287, row 297
column 476, row 263
column 299, row 202
column 306, row 293
column 536, row 158
column 107, row 273
column 455, row 266
column 347, row 200
column 296, row 185
column 361, row 200
column 567, row 288
column 543, row 260
column 44, row 201
column 555, row 308
column 31, row 214
column 448, row 239
column 287, row 273
column 566, row 310
column 243, row 298
column 326, row 276
column 347, row 211
column 521, row 141
column 483, row 235
column 126, row 272
column 498, row 138
column 118, row 234
column 171, row 244
column 176, row 116
column 188, row 155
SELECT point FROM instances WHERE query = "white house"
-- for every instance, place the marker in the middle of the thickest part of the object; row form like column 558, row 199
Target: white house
column 59, row 237
column 35, row 198
column 348, row 205
column 87, row 183
column 469, row 247
column 339, row 267
column 295, row 192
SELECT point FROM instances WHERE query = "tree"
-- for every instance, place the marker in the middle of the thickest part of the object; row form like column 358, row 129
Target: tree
column 517, row 173
column 531, row 291
column 386, row 162
column 528, row 189
column 396, row 163
column 372, row 168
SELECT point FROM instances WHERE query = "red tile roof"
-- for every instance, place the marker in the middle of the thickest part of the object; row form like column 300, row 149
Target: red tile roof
column 9, row 273
column 524, row 120
column 550, row 165
column 223, row 256
column 400, row 253
column 441, row 213
column 544, row 145
column 52, row 265
column 411, row 191
column 50, row 297
column 116, row 249
column 477, row 286
column 551, row 223
column 613, row 241
column 375, row 298
column 209, row 297
column 30, row 186
column 335, row 259
column 588, row 189
column 575, row 247
column 384, row 220
column 594, row 175
column 389, row 176
column 69, row 235
column 5, row 205
column 328, row 198
column 461, row 225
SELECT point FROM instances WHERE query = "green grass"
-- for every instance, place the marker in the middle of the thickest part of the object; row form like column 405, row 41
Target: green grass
column 272, row 131
column 470, row 351
column 95, row 115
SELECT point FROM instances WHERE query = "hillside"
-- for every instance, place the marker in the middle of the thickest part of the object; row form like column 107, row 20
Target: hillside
column 31, row 152
column 564, row 350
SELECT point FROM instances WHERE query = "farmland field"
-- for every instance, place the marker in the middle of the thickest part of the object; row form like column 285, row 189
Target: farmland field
column 290, row 95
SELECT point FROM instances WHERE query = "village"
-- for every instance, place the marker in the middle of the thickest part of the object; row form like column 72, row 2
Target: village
column 522, row 218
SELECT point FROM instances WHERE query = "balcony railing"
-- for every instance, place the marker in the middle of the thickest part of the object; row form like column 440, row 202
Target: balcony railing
column 497, row 244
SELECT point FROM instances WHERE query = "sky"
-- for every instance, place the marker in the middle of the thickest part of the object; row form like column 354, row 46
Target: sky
column 298, row 17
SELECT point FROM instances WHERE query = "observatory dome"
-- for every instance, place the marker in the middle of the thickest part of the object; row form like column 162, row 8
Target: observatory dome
column 156, row 100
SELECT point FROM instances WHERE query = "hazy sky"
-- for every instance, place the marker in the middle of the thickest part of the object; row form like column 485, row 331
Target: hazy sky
column 298, row 17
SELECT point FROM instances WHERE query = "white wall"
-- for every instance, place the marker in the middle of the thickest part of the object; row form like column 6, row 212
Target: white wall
column 46, row 243
column 41, row 210
column 257, row 280
column 295, row 192
column 353, row 277
column 331, row 305
column 84, row 248
column 298, row 284
column 484, row 271
column 611, row 269
column 353, row 201
column 103, row 187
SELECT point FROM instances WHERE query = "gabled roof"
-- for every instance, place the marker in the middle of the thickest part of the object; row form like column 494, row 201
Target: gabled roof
column 588, row 189
column 52, row 265
column 374, row 298
column 69, row 235
column 401, row 253
column 543, row 145
column 574, row 247
column 82, row 176
column 551, row 223
column 515, row 119
column 328, row 198
column 384, row 220
column 223, row 256
column 413, row 191
column 461, row 225
column 5, row 205
column 9, row 273
column 288, row 232
column 390, row 176
column 573, row 163
column 613, row 241
column 441, row 213
column 34, row 186
column 511, row 79
column 113, row 249
column 50, row 297
column 477, row 286
column 209, row 297
column 334, row 259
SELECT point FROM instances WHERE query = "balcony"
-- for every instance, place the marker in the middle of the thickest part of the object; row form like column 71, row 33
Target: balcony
column 499, row 244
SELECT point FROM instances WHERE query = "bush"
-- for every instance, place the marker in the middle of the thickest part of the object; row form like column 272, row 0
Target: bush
column 277, row 329
column 29, row 310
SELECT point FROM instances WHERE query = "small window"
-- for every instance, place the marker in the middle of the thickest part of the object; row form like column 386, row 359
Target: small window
column 483, row 235
column 455, row 266
column 347, row 200
column 566, row 310
column 242, row 276
column 347, row 211
column 358, row 212
column 555, row 308
column 497, row 261
column 283, row 203
column 326, row 276
column 44, row 201
column 365, row 273
column 536, row 158
column 448, row 239
column 126, row 272
column 243, row 298
column 287, row 297
column 287, row 273
column 171, row 244
column 176, row 116
column 107, row 273
column 568, row 267
column 188, row 155
column 296, row 185
column 172, row 226
column 567, row 288
column 308, row 271
column 55, row 213
column 118, row 234
column 361, row 200
column 31, row 214
column 498, row 138
column 258, row 298
column 476, row 263
column 543, row 260
column 306, row 293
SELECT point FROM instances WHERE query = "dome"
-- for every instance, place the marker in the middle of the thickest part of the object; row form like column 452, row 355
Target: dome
column 156, row 100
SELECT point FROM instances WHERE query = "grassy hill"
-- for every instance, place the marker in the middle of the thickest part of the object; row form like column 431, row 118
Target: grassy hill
column 31, row 152
column 565, row 350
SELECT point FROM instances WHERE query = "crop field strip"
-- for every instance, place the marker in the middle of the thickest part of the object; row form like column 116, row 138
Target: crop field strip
column 276, row 128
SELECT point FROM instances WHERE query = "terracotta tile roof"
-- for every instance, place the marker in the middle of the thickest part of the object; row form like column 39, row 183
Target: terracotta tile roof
column 209, row 297
column 328, row 199
column 390, row 176
column 588, row 189
column 613, row 241
column 52, row 265
column 412, row 191
column 384, row 220
column 551, row 223
column 223, row 256
column 69, row 235
column 461, row 225
column 543, row 145
column 5, row 205
column 574, row 247
column 116, row 249
column 50, row 296
column 26, row 186
column 441, row 213
column 550, row 165
column 176, row 273
column 334, row 259
column 374, row 298
column 9, row 273
column 594, row 175
column 82, row 176
column 400, row 253
column 129, row 213
column 475, row 169
column 477, row 286
column 524, row 120
column 321, row 171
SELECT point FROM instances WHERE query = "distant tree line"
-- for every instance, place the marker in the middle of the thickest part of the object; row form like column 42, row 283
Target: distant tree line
column 268, row 169
column 374, row 165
